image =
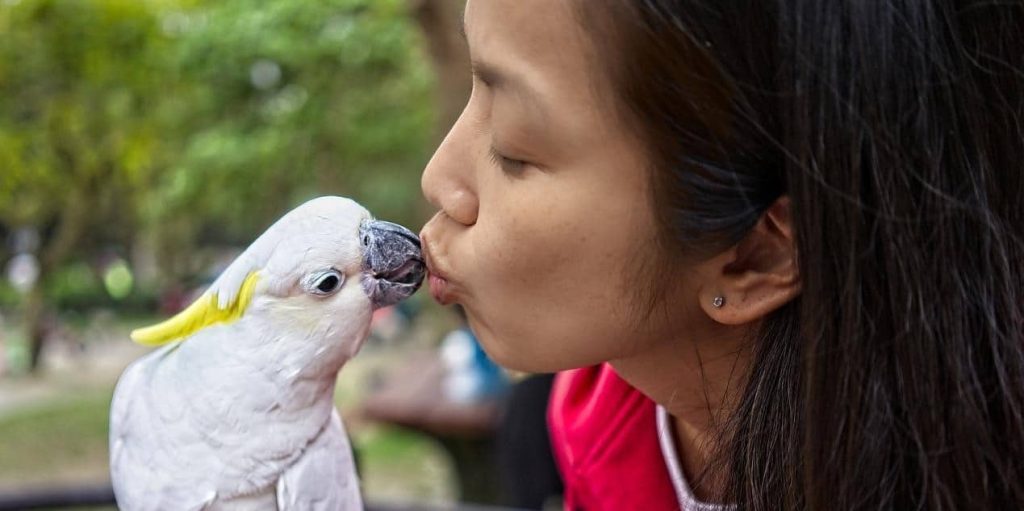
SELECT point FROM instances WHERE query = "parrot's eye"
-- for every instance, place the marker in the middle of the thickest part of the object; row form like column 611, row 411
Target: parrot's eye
column 326, row 283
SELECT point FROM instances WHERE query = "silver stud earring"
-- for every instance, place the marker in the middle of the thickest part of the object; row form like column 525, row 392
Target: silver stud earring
column 718, row 302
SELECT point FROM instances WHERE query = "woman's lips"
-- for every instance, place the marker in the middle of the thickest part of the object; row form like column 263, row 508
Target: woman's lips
column 439, row 288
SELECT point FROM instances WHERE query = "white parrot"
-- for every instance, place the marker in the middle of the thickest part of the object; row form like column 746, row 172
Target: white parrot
column 236, row 411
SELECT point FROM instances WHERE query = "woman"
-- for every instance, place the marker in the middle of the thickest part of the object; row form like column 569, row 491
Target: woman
column 778, row 244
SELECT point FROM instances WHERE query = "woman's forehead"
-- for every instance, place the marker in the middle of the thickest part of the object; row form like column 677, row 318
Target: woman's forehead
column 535, row 50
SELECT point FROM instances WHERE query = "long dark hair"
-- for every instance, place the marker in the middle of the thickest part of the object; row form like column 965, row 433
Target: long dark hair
column 896, row 380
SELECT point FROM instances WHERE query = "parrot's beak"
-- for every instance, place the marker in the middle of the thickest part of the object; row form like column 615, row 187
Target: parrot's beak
column 393, row 267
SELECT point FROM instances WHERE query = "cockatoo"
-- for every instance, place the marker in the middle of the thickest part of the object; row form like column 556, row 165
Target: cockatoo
column 236, row 410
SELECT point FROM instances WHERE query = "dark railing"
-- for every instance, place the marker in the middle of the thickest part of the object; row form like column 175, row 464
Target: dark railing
column 42, row 498
column 103, row 495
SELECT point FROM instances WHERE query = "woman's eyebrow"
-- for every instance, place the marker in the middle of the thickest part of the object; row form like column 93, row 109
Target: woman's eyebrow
column 485, row 72
column 509, row 83
column 498, row 80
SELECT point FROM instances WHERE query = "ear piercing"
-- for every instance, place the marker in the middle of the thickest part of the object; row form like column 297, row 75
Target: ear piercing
column 718, row 302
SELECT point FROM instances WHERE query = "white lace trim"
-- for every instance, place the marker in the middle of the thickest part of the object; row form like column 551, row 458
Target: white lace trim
column 687, row 502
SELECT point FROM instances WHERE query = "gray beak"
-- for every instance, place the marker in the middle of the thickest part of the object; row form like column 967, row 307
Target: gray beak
column 393, row 267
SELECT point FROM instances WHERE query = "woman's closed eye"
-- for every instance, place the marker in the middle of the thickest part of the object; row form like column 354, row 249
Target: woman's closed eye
column 508, row 165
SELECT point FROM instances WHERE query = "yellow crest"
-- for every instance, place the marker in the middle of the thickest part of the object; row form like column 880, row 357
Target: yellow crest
column 202, row 313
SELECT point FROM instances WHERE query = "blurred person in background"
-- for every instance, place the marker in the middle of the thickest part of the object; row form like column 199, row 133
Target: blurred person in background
column 777, row 248
column 470, row 376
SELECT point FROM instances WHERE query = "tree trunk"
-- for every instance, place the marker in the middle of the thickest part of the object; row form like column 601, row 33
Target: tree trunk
column 441, row 24
column 71, row 226
column 34, row 317
column 440, row 21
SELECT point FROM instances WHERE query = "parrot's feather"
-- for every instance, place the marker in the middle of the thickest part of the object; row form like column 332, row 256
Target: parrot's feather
column 202, row 313
column 323, row 479
column 241, row 414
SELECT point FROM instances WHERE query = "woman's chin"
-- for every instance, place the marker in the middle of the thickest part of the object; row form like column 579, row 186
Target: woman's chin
column 498, row 351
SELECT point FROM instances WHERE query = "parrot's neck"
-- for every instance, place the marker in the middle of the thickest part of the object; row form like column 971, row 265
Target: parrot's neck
column 296, row 357
column 286, row 350
column 251, row 391
column 269, row 373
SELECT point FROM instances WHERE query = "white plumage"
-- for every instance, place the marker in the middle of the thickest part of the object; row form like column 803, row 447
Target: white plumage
column 238, row 414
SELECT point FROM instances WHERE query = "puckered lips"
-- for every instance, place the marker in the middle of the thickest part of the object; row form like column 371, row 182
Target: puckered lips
column 440, row 286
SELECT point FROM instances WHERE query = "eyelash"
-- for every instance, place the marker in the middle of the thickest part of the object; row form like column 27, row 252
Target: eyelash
column 507, row 165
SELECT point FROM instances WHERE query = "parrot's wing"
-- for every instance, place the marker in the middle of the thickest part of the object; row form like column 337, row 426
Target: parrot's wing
column 324, row 478
column 125, row 394
column 138, row 428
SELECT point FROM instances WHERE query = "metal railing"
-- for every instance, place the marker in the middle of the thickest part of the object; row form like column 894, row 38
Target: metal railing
column 70, row 497
column 103, row 495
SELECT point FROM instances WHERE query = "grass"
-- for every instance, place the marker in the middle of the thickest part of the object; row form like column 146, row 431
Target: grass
column 399, row 466
column 62, row 440
column 56, row 432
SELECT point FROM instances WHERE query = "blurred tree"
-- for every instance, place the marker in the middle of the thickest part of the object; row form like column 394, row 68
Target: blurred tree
column 285, row 101
column 170, row 124
column 441, row 23
column 77, row 80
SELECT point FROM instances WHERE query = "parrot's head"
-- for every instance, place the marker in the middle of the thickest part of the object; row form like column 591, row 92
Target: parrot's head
column 318, row 271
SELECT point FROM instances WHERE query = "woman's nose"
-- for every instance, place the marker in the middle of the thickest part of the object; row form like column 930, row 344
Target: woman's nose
column 448, row 181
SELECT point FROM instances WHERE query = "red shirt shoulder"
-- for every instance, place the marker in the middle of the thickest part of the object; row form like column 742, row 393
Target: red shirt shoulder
column 605, row 439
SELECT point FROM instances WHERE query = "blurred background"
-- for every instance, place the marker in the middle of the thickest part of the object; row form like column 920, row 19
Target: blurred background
column 144, row 143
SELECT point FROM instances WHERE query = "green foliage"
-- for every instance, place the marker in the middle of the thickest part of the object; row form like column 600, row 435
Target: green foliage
column 9, row 297
column 75, row 78
column 75, row 283
column 185, row 122
column 76, row 287
column 287, row 100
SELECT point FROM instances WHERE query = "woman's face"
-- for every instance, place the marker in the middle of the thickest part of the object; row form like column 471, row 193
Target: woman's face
column 545, row 220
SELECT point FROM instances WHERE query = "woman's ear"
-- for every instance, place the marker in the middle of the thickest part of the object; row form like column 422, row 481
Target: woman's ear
column 757, row 275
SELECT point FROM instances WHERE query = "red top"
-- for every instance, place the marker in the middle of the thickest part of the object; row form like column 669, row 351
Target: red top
column 605, row 438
